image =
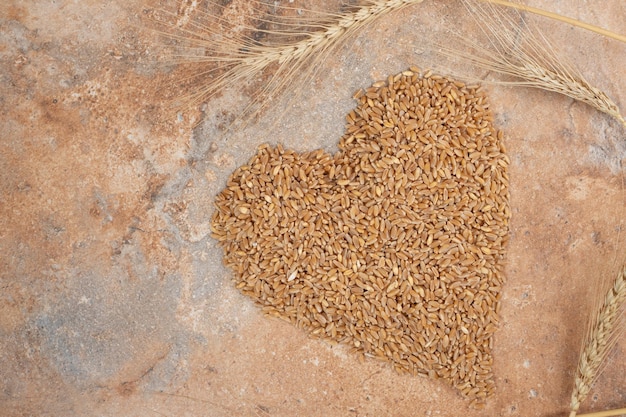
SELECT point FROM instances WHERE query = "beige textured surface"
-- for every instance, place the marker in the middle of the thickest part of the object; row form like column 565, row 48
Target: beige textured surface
column 113, row 299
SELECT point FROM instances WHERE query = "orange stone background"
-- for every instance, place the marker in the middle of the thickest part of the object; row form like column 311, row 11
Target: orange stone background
column 113, row 298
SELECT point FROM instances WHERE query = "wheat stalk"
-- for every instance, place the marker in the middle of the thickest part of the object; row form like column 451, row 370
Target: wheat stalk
column 560, row 18
column 602, row 335
column 607, row 413
column 527, row 60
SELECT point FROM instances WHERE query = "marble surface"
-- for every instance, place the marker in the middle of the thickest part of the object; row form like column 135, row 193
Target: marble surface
column 113, row 298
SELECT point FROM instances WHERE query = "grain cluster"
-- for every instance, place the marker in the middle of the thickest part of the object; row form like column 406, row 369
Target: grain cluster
column 395, row 244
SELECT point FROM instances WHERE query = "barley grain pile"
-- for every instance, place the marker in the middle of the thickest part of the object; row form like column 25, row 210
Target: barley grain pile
column 394, row 245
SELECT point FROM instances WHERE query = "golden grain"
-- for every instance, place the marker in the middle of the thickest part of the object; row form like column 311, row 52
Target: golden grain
column 393, row 245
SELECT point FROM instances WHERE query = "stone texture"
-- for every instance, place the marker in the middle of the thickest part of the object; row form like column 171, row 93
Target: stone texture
column 113, row 298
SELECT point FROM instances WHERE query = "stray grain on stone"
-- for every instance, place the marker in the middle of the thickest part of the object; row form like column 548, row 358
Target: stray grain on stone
column 394, row 245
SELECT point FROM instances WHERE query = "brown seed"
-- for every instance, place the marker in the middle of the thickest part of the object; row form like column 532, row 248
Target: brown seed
column 377, row 246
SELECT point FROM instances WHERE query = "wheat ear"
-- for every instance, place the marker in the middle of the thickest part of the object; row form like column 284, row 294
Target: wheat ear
column 602, row 335
column 290, row 51
column 527, row 60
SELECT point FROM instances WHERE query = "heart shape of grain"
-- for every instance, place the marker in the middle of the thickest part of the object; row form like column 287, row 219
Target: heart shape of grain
column 394, row 245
